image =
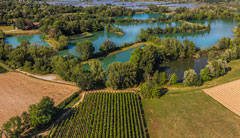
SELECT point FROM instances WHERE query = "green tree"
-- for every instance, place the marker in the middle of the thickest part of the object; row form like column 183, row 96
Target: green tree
column 191, row 78
column 97, row 71
column 205, row 74
column 20, row 23
column 42, row 113
column 86, row 80
column 85, row 49
column 12, row 128
column 2, row 35
column 150, row 61
column 156, row 77
column 63, row 42
column 163, row 78
column 107, row 46
column 173, row 79
column 146, row 89
column 136, row 56
column 26, row 120
column 152, row 90
column 121, row 75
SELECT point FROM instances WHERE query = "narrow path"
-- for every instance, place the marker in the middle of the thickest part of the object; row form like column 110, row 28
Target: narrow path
column 51, row 78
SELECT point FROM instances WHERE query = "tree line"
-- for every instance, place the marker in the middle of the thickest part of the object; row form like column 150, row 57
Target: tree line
column 183, row 28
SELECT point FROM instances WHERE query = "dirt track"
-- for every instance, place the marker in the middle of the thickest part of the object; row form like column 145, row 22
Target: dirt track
column 227, row 94
column 18, row 91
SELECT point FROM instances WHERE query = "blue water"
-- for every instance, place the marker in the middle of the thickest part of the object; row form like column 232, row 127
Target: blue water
column 35, row 39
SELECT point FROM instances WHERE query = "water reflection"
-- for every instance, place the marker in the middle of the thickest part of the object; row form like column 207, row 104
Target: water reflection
column 179, row 67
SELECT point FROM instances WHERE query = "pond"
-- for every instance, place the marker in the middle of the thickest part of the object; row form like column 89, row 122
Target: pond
column 144, row 16
column 16, row 40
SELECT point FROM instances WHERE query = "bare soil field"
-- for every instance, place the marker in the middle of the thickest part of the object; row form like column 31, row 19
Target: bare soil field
column 18, row 91
column 227, row 94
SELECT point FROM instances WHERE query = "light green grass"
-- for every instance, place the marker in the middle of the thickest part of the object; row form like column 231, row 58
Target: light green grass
column 6, row 28
column 232, row 75
column 189, row 112
column 189, row 115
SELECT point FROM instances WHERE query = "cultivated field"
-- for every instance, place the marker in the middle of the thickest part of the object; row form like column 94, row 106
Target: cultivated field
column 18, row 91
column 104, row 115
column 227, row 94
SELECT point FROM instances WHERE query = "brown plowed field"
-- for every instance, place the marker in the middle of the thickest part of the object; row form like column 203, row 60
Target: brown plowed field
column 18, row 91
column 227, row 94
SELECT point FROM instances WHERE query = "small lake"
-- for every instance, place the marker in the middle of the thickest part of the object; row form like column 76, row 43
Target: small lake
column 144, row 16
column 16, row 40
column 177, row 67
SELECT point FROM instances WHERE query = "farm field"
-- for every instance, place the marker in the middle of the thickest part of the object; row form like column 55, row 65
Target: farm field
column 18, row 91
column 227, row 94
column 110, row 115
column 192, row 114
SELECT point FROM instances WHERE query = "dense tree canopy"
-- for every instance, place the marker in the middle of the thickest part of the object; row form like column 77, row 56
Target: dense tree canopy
column 85, row 49
column 121, row 75
column 42, row 113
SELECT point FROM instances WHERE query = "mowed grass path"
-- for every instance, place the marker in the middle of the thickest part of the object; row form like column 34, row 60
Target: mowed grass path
column 189, row 112
column 189, row 115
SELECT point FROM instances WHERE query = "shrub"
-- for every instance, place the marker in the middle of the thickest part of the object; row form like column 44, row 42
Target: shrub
column 205, row 74
column 107, row 46
column 42, row 113
column 151, row 90
column 173, row 79
column 64, row 103
column 191, row 78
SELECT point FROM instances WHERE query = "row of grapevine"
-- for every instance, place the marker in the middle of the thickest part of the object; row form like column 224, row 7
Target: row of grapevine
column 103, row 115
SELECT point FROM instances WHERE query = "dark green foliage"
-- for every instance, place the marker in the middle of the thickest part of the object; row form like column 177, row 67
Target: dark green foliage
column 146, row 59
column 152, row 90
column 85, row 80
column 217, row 68
column 64, row 67
column 20, row 23
column 205, row 74
column 160, row 78
column 189, row 49
column 63, row 42
column 170, row 49
column 97, row 71
column 12, row 128
column 2, row 69
column 107, row 46
column 42, row 113
column 191, row 78
column 173, row 79
column 26, row 120
column 121, row 75
column 224, row 43
column 159, row 9
column 28, row 57
column 112, row 28
column 2, row 35
column 64, row 103
column 110, row 115
column 185, row 27
column 85, row 49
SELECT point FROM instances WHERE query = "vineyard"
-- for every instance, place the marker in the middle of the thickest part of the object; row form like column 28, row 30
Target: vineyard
column 104, row 115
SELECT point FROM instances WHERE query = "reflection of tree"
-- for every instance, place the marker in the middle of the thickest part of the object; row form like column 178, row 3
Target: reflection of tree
column 179, row 67
column 24, row 37
column 184, row 35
